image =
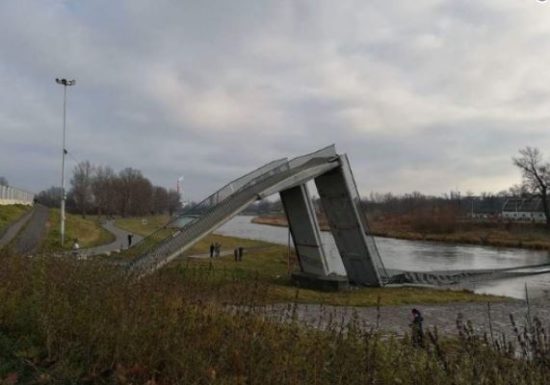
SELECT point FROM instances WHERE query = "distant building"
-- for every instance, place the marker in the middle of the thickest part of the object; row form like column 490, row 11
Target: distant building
column 486, row 208
column 527, row 209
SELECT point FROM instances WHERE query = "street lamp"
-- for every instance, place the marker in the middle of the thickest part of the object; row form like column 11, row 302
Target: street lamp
column 65, row 83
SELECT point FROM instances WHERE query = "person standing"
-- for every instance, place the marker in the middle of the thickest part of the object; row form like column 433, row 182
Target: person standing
column 76, row 247
column 236, row 254
column 212, row 247
column 241, row 252
column 417, row 331
column 130, row 236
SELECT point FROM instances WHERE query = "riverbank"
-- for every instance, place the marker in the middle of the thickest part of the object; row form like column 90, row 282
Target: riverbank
column 268, row 264
column 523, row 236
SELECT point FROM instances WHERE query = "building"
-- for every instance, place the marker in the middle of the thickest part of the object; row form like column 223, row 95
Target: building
column 527, row 209
column 485, row 208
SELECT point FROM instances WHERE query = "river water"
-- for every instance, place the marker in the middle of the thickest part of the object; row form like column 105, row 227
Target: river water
column 425, row 256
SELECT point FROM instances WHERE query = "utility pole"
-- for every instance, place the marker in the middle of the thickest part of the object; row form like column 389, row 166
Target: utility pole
column 65, row 84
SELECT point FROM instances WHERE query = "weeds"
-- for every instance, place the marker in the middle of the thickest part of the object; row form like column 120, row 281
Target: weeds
column 63, row 321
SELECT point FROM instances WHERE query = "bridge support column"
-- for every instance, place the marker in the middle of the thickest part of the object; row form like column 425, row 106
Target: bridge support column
column 305, row 232
column 341, row 203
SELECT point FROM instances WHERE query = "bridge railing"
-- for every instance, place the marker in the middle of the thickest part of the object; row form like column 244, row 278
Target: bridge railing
column 160, row 253
column 219, row 201
column 209, row 203
column 269, row 169
column 12, row 196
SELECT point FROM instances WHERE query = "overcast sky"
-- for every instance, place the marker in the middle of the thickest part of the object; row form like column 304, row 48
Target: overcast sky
column 422, row 95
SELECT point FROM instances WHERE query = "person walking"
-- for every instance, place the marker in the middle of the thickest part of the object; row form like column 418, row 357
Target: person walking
column 130, row 237
column 236, row 254
column 212, row 248
column 241, row 252
column 417, row 331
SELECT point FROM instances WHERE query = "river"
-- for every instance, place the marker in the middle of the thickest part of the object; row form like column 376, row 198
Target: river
column 425, row 256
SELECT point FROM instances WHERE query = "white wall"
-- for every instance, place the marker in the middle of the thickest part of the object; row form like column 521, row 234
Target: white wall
column 13, row 196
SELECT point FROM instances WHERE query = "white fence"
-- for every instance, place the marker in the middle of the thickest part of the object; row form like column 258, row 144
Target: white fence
column 13, row 196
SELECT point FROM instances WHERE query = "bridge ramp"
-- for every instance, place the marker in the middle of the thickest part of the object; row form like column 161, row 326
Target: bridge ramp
column 221, row 212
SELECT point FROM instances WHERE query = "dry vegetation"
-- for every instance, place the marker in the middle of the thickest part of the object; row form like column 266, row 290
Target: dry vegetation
column 63, row 321
column 444, row 227
column 449, row 229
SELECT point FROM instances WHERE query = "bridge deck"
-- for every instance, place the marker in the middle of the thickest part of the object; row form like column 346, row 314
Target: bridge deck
column 221, row 212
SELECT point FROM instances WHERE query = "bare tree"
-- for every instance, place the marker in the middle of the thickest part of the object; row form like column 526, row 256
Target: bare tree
column 174, row 202
column 82, row 186
column 50, row 197
column 160, row 200
column 135, row 193
column 103, row 188
column 535, row 175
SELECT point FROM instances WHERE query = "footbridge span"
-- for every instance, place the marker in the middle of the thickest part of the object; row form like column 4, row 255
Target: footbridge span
column 335, row 183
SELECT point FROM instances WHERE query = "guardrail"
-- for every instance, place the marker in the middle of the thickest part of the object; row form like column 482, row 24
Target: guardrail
column 13, row 196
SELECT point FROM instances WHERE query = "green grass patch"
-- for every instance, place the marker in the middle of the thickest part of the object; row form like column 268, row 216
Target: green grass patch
column 150, row 227
column 10, row 214
column 87, row 230
column 143, row 225
column 269, row 263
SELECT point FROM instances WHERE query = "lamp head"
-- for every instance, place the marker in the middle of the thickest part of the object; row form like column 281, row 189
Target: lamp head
column 65, row 82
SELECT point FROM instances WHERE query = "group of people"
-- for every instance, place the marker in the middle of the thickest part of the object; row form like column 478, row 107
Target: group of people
column 215, row 248
column 238, row 254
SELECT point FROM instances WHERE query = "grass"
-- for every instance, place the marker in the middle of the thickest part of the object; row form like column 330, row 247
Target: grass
column 69, row 322
column 87, row 230
column 143, row 225
column 10, row 214
column 268, row 263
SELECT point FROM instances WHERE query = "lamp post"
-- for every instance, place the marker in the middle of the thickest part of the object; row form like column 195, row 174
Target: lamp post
column 65, row 84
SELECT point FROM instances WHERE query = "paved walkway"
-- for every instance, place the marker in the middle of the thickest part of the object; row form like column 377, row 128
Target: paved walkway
column 28, row 240
column 120, row 243
column 396, row 319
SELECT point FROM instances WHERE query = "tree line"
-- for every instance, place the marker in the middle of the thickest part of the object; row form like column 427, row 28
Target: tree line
column 450, row 208
column 100, row 190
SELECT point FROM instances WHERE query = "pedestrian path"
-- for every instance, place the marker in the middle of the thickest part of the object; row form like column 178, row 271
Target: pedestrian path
column 489, row 319
column 29, row 238
column 119, row 244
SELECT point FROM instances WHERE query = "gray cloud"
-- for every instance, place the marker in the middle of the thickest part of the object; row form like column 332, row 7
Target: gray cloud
column 428, row 95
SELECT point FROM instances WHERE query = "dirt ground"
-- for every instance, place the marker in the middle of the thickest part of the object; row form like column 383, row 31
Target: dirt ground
column 396, row 319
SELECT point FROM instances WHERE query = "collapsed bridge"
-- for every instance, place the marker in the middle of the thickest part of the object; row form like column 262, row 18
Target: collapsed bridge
column 358, row 260
column 332, row 175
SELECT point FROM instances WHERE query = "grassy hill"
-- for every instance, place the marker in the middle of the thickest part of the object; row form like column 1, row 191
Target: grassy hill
column 10, row 214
